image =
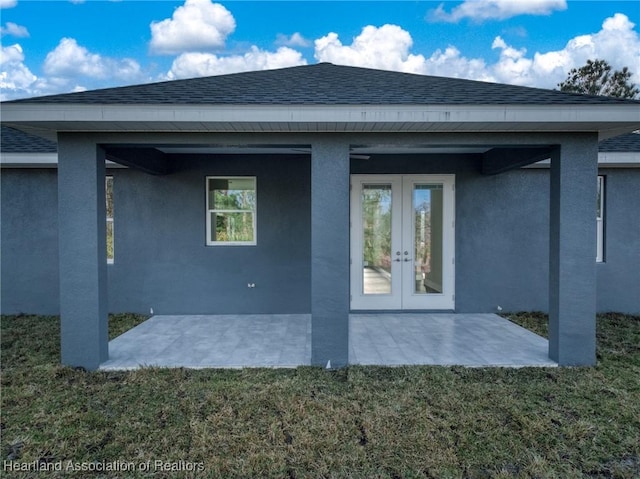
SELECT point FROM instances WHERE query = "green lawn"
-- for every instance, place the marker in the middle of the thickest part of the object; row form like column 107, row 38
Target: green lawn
column 360, row 422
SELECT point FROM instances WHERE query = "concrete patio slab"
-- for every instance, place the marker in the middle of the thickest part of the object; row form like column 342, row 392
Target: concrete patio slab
column 220, row 341
column 230, row 341
column 475, row 340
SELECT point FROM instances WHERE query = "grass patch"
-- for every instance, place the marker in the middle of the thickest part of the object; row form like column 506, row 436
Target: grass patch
column 360, row 422
column 123, row 322
column 536, row 322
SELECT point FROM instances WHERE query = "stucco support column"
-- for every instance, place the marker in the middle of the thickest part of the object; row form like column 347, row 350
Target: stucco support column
column 329, row 253
column 82, row 249
column 572, row 251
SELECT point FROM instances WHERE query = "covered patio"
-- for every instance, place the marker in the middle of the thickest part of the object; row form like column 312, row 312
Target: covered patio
column 301, row 134
column 284, row 341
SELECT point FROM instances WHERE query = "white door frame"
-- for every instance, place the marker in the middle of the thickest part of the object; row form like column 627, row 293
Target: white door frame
column 402, row 296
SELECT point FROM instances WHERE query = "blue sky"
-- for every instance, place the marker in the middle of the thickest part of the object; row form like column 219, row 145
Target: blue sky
column 62, row 46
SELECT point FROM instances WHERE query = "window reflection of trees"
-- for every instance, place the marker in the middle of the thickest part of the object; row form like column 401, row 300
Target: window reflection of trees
column 376, row 205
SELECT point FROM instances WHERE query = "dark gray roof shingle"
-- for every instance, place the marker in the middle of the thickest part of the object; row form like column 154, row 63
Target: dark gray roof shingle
column 16, row 141
column 324, row 84
column 621, row 144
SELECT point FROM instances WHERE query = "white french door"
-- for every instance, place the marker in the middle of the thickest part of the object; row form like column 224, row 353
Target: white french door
column 402, row 242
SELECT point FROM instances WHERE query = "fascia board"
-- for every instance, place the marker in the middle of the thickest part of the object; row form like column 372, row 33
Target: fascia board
column 619, row 158
column 549, row 117
column 37, row 160
column 616, row 159
column 29, row 160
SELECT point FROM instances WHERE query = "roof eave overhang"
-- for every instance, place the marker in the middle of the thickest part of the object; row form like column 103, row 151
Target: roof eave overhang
column 50, row 160
column 28, row 160
column 630, row 159
column 48, row 119
column 36, row 160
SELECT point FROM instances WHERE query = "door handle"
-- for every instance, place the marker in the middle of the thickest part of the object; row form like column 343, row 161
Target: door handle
column 406, row 260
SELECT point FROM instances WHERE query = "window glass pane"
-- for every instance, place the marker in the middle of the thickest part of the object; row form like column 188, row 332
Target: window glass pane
column 232, row 227
column 231, row 204
column 232, row 194
column 599, row 205
column 109, row 196
column 600, row 220
column 376, row 234
column 110, row 240
column 109, row 215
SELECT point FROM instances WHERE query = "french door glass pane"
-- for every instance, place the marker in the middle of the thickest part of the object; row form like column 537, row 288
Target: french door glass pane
column 376, row 235
column 428, row 238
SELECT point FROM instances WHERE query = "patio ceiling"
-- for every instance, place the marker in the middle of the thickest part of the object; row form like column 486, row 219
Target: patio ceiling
column 157, row 160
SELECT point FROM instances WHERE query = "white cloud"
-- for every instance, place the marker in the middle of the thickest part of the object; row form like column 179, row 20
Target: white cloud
column 389, row 48
column 15, row 77
column 194, row 64
column 12, row 54
column 617, row 42
column 70, row 60
column 69, row 67
column 8, row 3
column 295, row 40
column 451, row 63
column 513, row 65
column 197, row 25
column 481, row 10
column 14, row 30
column 386, row 47
column 17, row 81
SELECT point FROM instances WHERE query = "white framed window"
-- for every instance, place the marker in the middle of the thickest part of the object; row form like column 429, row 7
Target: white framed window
column 231, row 210
column 600, row 220
column 109, row 196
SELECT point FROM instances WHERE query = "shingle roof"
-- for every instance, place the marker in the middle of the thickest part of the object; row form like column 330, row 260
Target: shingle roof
column 324, row 84
column 621, row 144
column 16, row 141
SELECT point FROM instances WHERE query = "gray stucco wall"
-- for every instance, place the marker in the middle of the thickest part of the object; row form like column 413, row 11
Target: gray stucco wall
column 502, row 249
column 162, row 262
column 29, row 241
column 502, row 232
column 619, row 275
column 502, row 241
